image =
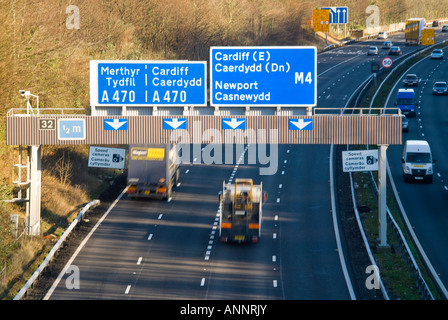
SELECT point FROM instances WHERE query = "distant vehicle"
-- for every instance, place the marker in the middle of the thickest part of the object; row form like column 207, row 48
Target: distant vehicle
column 406, row 102
column 413, row 31
column 444, row 28
column 152, row 171
column 404, row 123
column 417, row 162
column 395, row 51
column 372, row 51
column 437, row 54
column 387, row 44
column 382, row 35
column 440, row 88
column 435, row 23
column 411, row 80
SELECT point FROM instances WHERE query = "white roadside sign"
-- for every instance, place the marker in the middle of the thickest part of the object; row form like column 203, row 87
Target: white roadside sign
column 360, row 160
column 103, row 157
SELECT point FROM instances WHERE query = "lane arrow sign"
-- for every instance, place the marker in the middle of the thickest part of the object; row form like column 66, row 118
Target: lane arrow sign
column 300, row 124
column 233, row 123
column 115, row 124
column 175, row 124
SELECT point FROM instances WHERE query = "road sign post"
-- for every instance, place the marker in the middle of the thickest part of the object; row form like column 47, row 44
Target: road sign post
column 382, row 195
column 338, row 15
column 263, row 76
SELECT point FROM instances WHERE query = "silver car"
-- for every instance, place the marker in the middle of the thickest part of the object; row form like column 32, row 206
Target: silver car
column 437, row 54
column 372, row 51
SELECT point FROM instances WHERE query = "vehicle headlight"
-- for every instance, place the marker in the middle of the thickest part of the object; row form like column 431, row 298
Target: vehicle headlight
column 430, row 170
column 407, row 169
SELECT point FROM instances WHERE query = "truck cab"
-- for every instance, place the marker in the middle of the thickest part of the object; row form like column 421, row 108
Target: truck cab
column 417, row 161
column 406, row 101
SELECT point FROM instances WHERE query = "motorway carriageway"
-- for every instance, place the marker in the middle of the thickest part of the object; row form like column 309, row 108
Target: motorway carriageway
column 170, row 250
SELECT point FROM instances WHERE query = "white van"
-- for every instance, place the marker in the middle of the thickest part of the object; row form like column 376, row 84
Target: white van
column 417, row 161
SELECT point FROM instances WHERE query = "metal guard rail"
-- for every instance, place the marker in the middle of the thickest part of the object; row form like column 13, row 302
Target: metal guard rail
column 56, row 247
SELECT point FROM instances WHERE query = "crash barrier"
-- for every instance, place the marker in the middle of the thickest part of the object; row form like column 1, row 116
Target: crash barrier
column 53, row 251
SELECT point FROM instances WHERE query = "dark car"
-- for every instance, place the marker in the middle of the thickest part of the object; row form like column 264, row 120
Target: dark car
column 445, row 28
column 387, row 44
column 404, row 123
column 411, row 80
column 435, row 23
column 440, row 88
column 395, row 51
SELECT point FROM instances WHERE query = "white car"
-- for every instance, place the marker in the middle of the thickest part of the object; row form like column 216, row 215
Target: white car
column 382, row 35
column 437, row 54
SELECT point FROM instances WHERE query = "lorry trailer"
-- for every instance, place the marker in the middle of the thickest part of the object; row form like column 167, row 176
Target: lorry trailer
column 152, row 171
column 413, row 31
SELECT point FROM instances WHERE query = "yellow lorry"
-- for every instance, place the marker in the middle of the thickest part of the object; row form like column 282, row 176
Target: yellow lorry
column 241, row 211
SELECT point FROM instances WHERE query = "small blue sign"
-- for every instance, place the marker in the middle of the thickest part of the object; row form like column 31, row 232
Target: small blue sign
column 338, row 15
column 175, row 124
column 300, row 124
column 234, row 123
column 115, row 124
column 71, row 129
column 148, row 83
column 263, row 76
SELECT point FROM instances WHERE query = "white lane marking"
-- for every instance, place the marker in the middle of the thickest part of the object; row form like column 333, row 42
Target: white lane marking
column 274, row 283
column 160, row 216
column 139, row 260
column 150, row 237
column 128, row 288
column 202, row 282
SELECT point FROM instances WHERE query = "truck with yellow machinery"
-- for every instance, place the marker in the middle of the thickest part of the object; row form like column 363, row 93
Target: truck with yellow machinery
column 152, row 171
column 413, row 31
column 241, row 211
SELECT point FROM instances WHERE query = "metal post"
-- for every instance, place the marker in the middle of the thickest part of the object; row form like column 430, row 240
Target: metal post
column 309, row 111
column 382, row 195
column 35, row 190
